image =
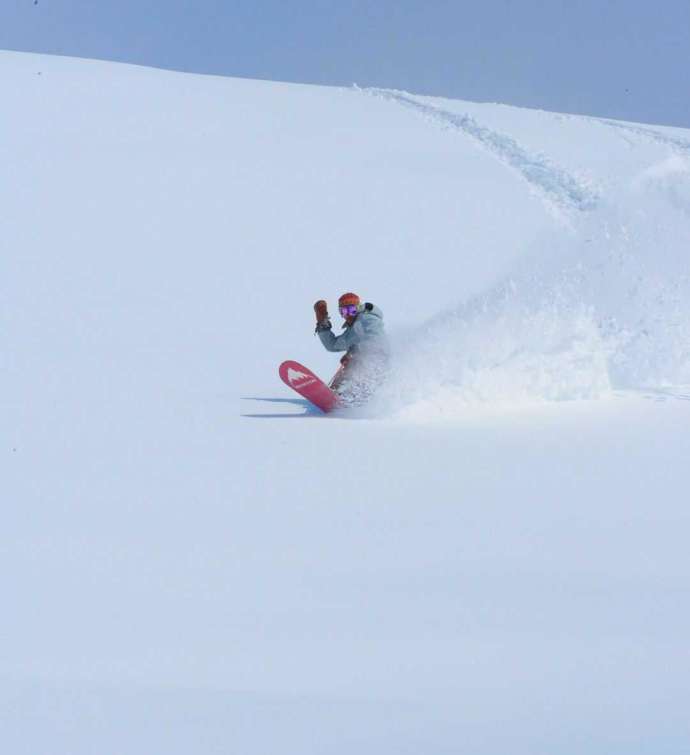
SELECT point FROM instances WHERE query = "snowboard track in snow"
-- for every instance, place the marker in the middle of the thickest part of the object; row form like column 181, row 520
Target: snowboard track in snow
column 676, row 143
column 555, row 185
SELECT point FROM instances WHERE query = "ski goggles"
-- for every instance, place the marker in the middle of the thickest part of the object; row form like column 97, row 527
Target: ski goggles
column 349, row 310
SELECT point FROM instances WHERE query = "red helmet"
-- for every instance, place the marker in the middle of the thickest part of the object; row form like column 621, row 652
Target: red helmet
column 347, row 299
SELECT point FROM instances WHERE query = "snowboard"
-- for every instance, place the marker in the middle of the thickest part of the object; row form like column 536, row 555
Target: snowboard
column 304, row 381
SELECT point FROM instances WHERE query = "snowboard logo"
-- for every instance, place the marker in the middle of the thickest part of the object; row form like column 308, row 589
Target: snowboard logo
column 307, row 384
column 299, row 379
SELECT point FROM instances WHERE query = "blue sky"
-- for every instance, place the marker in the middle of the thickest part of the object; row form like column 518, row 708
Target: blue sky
column 619, row 58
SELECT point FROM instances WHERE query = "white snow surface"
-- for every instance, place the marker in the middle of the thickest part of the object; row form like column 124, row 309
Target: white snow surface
column 490, row 558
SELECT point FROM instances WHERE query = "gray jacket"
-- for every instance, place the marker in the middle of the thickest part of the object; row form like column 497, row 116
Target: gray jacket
column 363, row 336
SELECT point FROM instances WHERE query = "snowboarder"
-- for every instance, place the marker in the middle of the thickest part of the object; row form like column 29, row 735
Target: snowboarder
column 364, row 365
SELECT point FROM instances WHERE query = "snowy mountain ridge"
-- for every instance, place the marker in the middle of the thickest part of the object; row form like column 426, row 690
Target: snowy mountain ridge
column 489, row 558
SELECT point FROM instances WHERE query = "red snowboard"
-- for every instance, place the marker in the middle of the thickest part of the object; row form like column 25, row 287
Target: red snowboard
column 305, row 382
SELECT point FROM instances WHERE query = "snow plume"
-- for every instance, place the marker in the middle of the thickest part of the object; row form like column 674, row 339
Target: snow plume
column 636, row 274
column 503, row 347
column 601, row 308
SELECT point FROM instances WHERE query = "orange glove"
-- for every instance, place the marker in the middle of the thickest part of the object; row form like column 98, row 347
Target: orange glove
column 321, row 310
column 323, row 322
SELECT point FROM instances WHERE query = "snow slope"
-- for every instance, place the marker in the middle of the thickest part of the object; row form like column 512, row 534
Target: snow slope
column 491, row 558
